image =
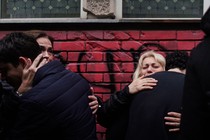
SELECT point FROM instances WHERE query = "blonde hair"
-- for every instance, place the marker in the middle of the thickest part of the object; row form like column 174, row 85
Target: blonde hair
column 158, row 57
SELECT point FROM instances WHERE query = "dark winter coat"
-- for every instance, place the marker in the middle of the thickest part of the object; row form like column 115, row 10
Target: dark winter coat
column 149, row 107
column 56, row 107
column 9, row 102
column 195, row 121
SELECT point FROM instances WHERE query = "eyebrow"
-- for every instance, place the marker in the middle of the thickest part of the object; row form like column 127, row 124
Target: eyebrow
column 151, row 63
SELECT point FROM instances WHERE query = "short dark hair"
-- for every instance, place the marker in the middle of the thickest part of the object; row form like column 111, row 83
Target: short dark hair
column 17, row 44
column 177, row 59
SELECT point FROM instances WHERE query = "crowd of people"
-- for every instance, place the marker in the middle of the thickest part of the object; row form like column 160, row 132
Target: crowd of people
column 168, row 98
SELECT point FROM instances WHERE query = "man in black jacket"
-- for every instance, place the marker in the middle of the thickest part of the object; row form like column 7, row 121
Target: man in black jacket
column 195, row 121
column 56, row 107
column 9, row 99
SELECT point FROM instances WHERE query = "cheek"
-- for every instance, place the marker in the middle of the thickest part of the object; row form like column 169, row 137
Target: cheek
column 51, row 58
column 143, row 72
column 158, row 70
column 14, row 77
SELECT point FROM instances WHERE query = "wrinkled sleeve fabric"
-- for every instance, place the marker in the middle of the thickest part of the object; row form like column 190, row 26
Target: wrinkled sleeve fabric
column 113, row 107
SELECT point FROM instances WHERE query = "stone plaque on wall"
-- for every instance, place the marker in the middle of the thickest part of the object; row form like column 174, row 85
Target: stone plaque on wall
column 99, row 8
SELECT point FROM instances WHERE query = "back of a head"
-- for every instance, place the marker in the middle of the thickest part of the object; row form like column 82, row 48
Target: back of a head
column 205, row 22
column 176, row 59
column 17, row 44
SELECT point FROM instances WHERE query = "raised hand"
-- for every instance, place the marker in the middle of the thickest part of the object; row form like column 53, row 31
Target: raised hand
column 29, row 72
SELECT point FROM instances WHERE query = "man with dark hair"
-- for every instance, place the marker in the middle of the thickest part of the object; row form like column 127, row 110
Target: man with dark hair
column 56, row 107
column 177, row 59
column 9, row 100
column 149, row 107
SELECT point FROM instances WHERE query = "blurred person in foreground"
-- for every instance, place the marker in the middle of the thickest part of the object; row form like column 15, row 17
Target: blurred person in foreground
column 195, row 120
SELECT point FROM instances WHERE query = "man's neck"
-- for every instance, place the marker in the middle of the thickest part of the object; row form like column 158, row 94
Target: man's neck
column 178, row 70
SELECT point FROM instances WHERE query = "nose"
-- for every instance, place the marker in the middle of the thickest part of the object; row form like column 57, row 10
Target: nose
column 45, row 54
column 149, row 70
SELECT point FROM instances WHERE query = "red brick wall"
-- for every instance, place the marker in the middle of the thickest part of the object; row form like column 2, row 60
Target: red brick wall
column 107, row 58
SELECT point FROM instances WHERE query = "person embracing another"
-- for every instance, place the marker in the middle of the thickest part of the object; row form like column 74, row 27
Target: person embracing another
column 56, row 106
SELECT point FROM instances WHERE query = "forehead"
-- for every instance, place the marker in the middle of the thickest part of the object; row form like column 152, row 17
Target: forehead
column 43, row 41
column 149, row 60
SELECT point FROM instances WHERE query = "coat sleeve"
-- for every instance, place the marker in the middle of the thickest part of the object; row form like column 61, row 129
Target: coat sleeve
column 29, row 119
column 110, row 110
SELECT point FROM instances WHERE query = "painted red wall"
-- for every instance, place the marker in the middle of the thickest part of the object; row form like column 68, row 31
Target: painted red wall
column 106, row 58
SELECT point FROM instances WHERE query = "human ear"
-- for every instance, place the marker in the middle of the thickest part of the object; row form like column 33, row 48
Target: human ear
column 24, row 61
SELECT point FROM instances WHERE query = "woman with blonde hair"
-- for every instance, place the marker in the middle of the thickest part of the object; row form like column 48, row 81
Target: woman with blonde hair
column 142, row 69
column 149, row 63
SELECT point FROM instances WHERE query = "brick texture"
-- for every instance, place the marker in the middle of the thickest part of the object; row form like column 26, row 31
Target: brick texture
column 107, row 59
